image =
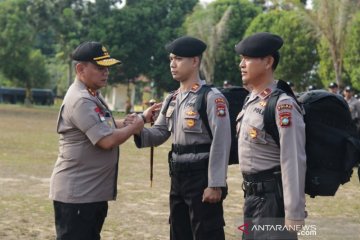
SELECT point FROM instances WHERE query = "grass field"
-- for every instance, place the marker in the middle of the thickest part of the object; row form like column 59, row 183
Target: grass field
column 28, row 150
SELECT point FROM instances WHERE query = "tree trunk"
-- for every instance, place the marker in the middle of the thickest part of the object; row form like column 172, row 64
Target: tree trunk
column 28, row 97
column 337, row 64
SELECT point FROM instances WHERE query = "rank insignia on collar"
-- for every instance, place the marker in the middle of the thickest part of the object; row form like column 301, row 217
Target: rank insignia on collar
column 93, row 93
column 190, row 122
column 195, row 87
column 253, row 133
column 263, row 103
column 265, row 93
column 285, row 119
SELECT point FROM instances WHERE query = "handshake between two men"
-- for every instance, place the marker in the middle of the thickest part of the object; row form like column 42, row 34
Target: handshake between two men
column 137, row 121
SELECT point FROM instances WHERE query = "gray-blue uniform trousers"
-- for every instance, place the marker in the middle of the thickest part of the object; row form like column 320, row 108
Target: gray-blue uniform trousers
column 270, row 196
column 193, row 166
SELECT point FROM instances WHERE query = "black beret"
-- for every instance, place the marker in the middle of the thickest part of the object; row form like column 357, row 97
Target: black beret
column 290, row 84
column 93, row 52
column 311, row 88
column 186, row 47
column 348, row 89
column 259, row 45
column 333, row 85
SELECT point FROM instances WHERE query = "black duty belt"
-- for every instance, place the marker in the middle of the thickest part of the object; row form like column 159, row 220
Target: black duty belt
column 267, row 181
column 258, row 188
column 186, row 149
column 177, row 167
column 263, row 175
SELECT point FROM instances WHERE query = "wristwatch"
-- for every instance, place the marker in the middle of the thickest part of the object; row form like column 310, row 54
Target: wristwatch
column 143, row 117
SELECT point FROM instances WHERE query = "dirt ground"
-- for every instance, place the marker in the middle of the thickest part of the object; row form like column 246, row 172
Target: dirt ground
column 28, row 150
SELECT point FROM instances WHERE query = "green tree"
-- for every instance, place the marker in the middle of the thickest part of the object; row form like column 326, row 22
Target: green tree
column 19, row 61
column 330, row 21
column 137, row 34
column 201, row 24
column 298, row 55
column 352, row 57
column 221, row 25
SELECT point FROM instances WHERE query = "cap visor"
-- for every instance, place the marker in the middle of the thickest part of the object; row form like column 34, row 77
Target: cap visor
column 108, row 62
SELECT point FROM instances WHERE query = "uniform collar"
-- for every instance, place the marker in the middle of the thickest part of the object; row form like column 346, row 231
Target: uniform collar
column 264, row 94
column 82, row 86
column 196, row 87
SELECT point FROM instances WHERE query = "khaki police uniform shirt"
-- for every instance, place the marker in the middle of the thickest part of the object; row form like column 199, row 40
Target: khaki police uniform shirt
column 84, row 172
column 258, row 151
column 184, row 124
column 354, row 106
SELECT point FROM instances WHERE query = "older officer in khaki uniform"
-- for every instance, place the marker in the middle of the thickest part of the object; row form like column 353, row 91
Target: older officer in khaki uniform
column 274, row 178
column 198, row 164
column 85, row 173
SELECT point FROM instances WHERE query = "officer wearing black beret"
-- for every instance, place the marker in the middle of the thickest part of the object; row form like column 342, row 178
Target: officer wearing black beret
column 354, row 106
column 198, row 162
column 273, row 176
column 333, row 88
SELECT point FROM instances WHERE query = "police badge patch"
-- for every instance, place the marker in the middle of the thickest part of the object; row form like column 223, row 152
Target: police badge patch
column 221, row 110
column 285, row 119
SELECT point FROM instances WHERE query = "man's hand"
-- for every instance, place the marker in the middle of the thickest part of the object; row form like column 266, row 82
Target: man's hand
column 294, row 225
column 138, row 124
column 152, row 112
column 212, row 195
column 130, row 119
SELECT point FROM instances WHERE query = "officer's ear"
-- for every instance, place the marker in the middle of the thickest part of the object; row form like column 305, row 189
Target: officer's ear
column 197, row 61
column 269, row 61
column 80, row 67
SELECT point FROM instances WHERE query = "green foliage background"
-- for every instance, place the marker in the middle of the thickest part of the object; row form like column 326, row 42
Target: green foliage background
column 37, row 38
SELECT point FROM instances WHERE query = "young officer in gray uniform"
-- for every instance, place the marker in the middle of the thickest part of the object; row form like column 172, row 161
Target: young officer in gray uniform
column 85, row 173
column 354, row 105
column 198, row 164
column 274, row 178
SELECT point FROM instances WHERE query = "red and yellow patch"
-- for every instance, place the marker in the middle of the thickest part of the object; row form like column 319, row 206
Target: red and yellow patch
column 281, row 107
column 195, row 87
column 265, row 93
column 285, row 119
column 221, row 110
column 219, row 100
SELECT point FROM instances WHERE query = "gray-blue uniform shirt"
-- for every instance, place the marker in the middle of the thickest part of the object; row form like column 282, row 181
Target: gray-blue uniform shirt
column 258, row 151
column 184, row 124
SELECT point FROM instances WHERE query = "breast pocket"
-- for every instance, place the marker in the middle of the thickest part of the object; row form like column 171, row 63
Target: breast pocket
column 255, row 135
column 192, row 124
